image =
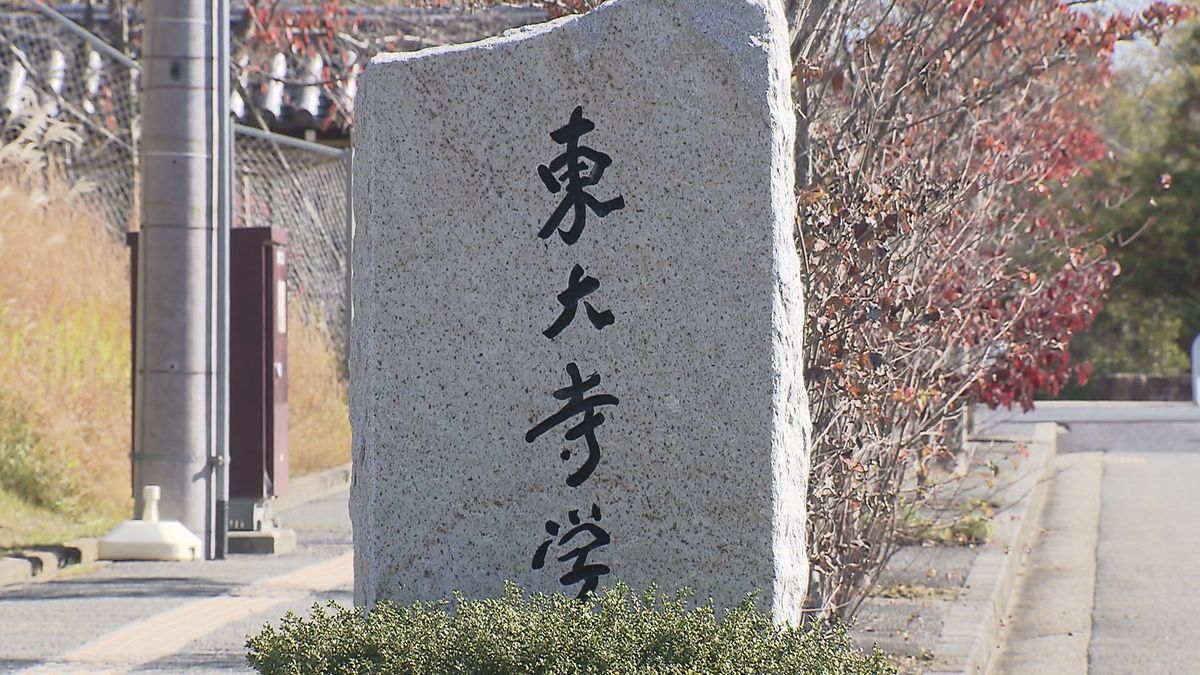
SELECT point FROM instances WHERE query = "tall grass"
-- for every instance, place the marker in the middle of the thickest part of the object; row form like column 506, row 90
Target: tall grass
column 65, row 357
column 64, row 346
column 318, row 416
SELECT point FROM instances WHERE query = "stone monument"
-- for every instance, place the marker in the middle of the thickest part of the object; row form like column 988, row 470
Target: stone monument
column 576, row 351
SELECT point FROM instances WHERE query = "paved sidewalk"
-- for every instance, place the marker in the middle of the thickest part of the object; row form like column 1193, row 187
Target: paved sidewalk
column 1051, row 623
column 938, row 608
column 153, row 617
column 1122, row 522
column 1112, row 585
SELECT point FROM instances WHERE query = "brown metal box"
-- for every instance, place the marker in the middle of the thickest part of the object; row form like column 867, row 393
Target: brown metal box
column 258, row 418
column 258, row 365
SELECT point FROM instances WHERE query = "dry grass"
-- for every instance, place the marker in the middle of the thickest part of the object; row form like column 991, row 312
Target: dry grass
column 318, row 416
column 65, row 363
column 24, row 524
column 64, row 353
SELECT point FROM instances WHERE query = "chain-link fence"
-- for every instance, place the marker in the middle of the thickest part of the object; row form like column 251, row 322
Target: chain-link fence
column 305, row 192
column 49, row 64
column 45, row 69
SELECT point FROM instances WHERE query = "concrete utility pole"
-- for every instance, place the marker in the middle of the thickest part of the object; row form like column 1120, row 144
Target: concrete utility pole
column 178, row 425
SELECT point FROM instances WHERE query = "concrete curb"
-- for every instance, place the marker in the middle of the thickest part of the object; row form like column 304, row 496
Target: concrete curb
column 972, row 626
column 44, row 562
column 1049, row 625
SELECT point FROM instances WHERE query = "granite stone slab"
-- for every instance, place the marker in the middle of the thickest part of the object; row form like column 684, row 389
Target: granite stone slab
column 576, row 350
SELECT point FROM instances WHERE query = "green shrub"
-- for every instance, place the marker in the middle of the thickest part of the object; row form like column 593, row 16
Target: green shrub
column 26, row 468
column 617, row 631
column 1137, row 335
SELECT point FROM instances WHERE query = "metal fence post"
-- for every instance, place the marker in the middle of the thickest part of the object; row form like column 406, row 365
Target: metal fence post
column 223, row 160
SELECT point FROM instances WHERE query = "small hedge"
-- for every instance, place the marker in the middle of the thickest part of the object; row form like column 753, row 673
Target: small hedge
column 617, row 631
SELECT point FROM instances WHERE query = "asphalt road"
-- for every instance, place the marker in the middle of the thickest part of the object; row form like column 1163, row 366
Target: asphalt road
column 1124, row 515
column 149, row 617
column 1146, row 617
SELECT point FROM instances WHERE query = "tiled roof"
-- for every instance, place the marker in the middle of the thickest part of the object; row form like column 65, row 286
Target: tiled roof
column 294, row 93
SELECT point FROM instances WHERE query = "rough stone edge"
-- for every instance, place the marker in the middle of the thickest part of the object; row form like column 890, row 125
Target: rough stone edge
column 972, row 625
column 517, row 34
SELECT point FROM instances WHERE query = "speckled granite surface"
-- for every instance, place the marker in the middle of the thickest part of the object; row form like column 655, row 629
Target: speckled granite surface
column 585, row 370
